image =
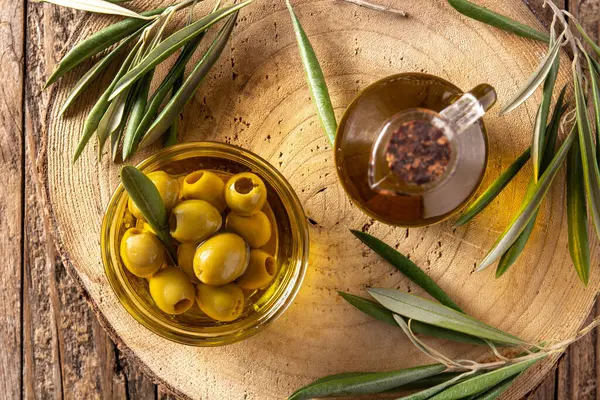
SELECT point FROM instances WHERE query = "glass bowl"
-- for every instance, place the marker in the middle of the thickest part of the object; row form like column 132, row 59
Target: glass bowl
column 289, row 246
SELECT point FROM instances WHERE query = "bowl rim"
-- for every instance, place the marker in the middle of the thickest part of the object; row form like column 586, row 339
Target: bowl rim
column 240, row 329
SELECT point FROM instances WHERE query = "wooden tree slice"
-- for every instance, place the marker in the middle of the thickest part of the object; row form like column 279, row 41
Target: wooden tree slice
column 256, row 97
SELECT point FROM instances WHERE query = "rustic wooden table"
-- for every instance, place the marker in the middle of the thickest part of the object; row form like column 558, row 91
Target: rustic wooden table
column 52, row 345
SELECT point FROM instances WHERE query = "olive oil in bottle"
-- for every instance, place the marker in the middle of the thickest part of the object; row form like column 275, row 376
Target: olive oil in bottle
column 411, row 149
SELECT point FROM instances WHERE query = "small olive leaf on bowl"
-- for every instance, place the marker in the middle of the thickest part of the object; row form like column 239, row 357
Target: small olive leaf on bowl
column 315, row 78
column 98, row 6
column 429, row 312
column 98, row 42
column 407, row 267
column 172, row 43
column 591, row 173
column 537, row 77
column 147, row 198
column 381, row 313
column 499, row 21
column 364, row 383
column 577, row 215
column 529, row 207
column 175, row 106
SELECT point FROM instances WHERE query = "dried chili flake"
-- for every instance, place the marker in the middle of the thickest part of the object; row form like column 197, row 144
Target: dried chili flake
column 418, row 152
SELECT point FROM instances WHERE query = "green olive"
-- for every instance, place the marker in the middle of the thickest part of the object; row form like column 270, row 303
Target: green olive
column 245, row 193
column 168, row 188
column 255, row 229
column 141, row 252
column 172, row 290
column 223, row 303
column 204, row 185
column 185, row 259
column 221, row 259
column 260, row 271
column 194, row 221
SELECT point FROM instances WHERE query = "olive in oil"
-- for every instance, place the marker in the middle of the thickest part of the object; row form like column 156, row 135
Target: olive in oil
column 359, row 129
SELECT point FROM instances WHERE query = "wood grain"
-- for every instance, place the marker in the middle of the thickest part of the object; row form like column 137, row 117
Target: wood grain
column 53, row 300
column 11, row 202
column 278, row 118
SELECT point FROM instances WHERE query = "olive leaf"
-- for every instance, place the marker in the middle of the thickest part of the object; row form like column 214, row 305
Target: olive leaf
column 172, row 133
column 499, row 21
column 171, row 136
column 539, row 129
column 115, row 137
column 529, row 207
column 131, row 141
column 381, row 313
column 551, row 136
column 147, row 198
column 595, row 84
column 497, row 390
column 514, row 251
column 175, row 106
column 315, row 79
column 426, row 311
column 433, row 390
column 536, row 78
column 488, row 380
column 577, row 215
column 171, row 44
column 427, row 382
column 98, row 42
column 494, row 189
column 94, row 72
column 407, row 267
column 112, row 120
column 102, row 105
column 584, row 34
column 98, row 6
column 364, row 383
column 591, row 173
column 139, row 105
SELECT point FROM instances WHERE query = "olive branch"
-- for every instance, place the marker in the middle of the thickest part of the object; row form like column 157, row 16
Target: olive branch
column 447, row 378
column 126, row 112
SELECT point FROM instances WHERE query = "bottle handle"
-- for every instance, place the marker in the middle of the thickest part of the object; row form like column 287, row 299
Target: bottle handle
column 469, row 107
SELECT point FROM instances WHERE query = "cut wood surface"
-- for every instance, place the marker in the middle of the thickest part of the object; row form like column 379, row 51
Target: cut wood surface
column 63, row 350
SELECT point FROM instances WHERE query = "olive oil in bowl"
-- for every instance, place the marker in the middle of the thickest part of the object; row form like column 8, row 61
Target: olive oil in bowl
column 288, row 244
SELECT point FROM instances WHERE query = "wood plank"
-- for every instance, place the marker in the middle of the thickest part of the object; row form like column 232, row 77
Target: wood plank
column 11, row 201
column 546, row 389
column 67, row 353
